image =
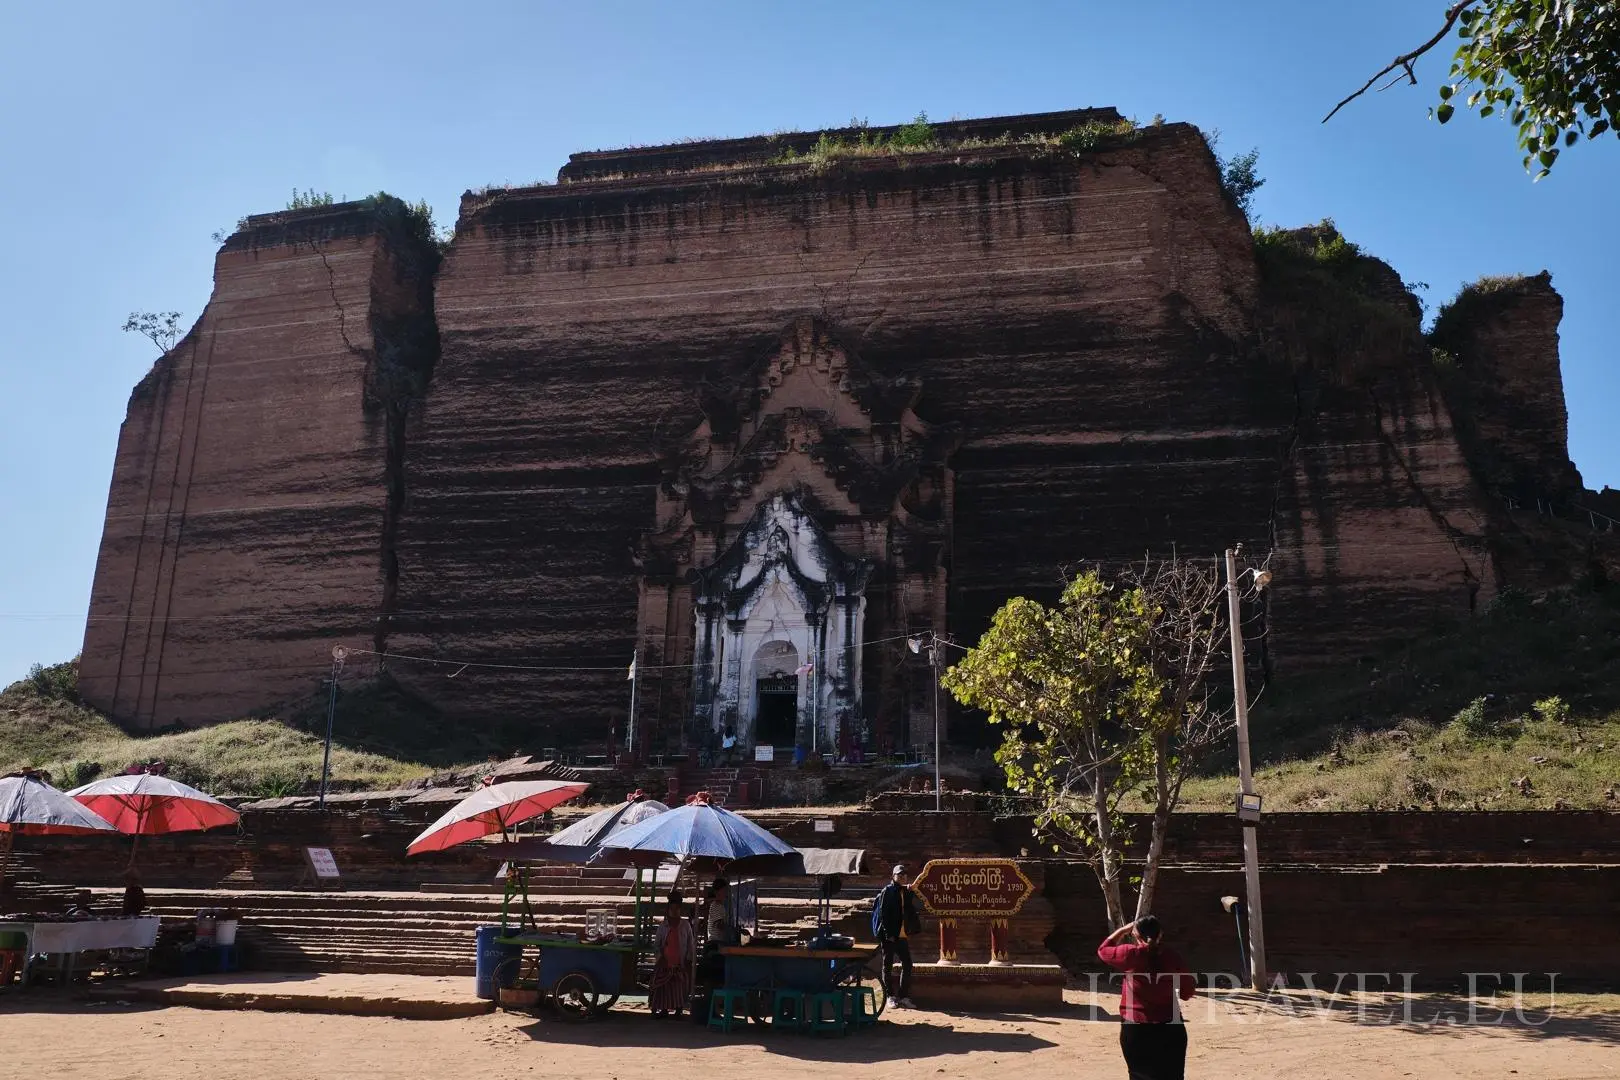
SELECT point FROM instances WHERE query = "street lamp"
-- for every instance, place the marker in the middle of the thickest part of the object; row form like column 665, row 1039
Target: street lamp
column 339, row 654
column 916, row 644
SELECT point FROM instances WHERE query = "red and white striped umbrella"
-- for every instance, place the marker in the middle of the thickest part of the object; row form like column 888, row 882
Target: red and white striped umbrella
column 494, row 809
column 147, row 805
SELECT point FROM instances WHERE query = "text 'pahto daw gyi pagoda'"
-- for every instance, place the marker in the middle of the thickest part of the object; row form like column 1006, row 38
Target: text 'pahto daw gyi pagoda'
column 757, row 410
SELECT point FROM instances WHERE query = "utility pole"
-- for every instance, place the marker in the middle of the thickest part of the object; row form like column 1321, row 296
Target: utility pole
column 933, row 662
column 916, row 645
column 339, row 654
column 1251, row 844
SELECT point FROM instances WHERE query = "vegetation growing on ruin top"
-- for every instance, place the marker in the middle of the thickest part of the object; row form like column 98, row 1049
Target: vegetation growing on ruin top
column 921, row 137
column 1331, row 307
column 406, row 219
column 1479, row 300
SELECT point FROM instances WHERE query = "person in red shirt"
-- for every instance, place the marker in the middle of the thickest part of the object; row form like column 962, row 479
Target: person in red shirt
column 1152, row 1035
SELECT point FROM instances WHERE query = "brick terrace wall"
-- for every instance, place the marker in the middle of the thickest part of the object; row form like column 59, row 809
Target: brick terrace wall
column 1435, row 893
column 266, row 849
column 1437, row 921
column 1342, row 839
column 1438, row 894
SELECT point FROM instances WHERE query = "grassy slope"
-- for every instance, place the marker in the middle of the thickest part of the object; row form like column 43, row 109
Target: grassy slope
column 1379, row 733
column 243, row 757
column 1425, row 766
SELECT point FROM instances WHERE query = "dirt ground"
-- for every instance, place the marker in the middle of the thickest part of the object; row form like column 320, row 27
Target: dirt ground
column 1233, row 1037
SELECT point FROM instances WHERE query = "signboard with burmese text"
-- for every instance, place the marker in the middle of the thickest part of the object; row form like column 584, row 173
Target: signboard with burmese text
column 973, row 888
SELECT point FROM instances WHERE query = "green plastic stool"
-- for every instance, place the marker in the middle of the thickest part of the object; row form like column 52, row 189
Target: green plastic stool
column 787, row 1010
column 860, row 1006
column 728, row 1008
column 825, row 1014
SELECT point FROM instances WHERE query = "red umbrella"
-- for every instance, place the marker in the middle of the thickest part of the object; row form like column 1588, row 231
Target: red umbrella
column 29, row 805
column 494, row 809
column 147, row 805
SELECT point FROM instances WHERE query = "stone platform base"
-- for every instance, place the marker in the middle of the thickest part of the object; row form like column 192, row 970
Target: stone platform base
column 412, row 997
column 988, row 988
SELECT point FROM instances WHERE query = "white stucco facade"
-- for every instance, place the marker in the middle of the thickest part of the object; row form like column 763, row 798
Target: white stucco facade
column 782, row 594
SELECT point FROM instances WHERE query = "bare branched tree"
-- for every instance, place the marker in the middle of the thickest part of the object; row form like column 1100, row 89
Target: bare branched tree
column 1188, row 652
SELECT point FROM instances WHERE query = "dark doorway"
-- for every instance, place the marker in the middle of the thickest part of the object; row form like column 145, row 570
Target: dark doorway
column 776, row 717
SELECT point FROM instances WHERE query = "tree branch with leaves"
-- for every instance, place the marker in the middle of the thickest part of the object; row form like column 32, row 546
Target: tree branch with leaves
column 162, row 327
column 1551, row 67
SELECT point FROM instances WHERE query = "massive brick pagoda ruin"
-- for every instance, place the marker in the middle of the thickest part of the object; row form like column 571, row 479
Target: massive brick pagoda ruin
column 758, row 416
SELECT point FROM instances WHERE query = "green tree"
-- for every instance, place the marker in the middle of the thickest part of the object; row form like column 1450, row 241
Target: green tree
column 1551, row 67
column 162, row 327
column 1064, row 683
column 1240, row 175
column 1110, row 692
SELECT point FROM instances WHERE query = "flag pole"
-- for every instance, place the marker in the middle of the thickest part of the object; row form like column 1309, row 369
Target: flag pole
column 630, row 736
column 815, row 708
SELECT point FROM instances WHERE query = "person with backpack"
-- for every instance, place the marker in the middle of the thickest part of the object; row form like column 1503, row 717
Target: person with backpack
column 1152, row 1036
column 895, row 917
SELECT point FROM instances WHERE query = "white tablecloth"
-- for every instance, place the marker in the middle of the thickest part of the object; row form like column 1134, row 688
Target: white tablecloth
column 64, row 937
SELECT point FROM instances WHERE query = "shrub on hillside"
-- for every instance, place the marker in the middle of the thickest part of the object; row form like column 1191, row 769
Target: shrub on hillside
column 59, row 682
column 79, row 774
column 1472, row 720
column 1552, row 710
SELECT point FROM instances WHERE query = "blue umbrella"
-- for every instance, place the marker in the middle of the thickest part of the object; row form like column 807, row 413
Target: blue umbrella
column 699, row 830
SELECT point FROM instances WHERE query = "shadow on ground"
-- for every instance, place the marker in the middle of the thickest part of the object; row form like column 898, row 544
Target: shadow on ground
column 1445, row 1015
column 885, row 1042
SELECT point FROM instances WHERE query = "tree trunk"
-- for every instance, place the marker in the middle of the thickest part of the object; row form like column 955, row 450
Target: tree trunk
column 1161, row 825
column 1109, row 861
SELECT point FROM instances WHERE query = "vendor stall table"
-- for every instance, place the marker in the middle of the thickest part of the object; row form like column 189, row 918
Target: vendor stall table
column 69, row 938
column 766, row 968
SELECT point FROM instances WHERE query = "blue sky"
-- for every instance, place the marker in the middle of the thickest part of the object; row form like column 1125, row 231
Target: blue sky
column 131, row 132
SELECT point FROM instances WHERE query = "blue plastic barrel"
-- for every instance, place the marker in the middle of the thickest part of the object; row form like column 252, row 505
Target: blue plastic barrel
column 496, row 964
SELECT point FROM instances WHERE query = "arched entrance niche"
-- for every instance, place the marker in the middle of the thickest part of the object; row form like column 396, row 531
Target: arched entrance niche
column 776, row 686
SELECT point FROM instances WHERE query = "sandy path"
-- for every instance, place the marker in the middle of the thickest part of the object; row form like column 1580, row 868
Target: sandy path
column 67, row 1041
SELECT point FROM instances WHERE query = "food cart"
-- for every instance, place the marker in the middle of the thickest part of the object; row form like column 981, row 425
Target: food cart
column 825, row 963
column 584, row 974
column 581, row 979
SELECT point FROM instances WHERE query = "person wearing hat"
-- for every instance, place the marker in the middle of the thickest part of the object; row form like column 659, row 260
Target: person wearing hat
column 895, row 917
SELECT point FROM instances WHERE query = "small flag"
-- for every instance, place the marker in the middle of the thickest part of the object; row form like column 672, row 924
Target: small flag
column 632, row 676
column 804, row 669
